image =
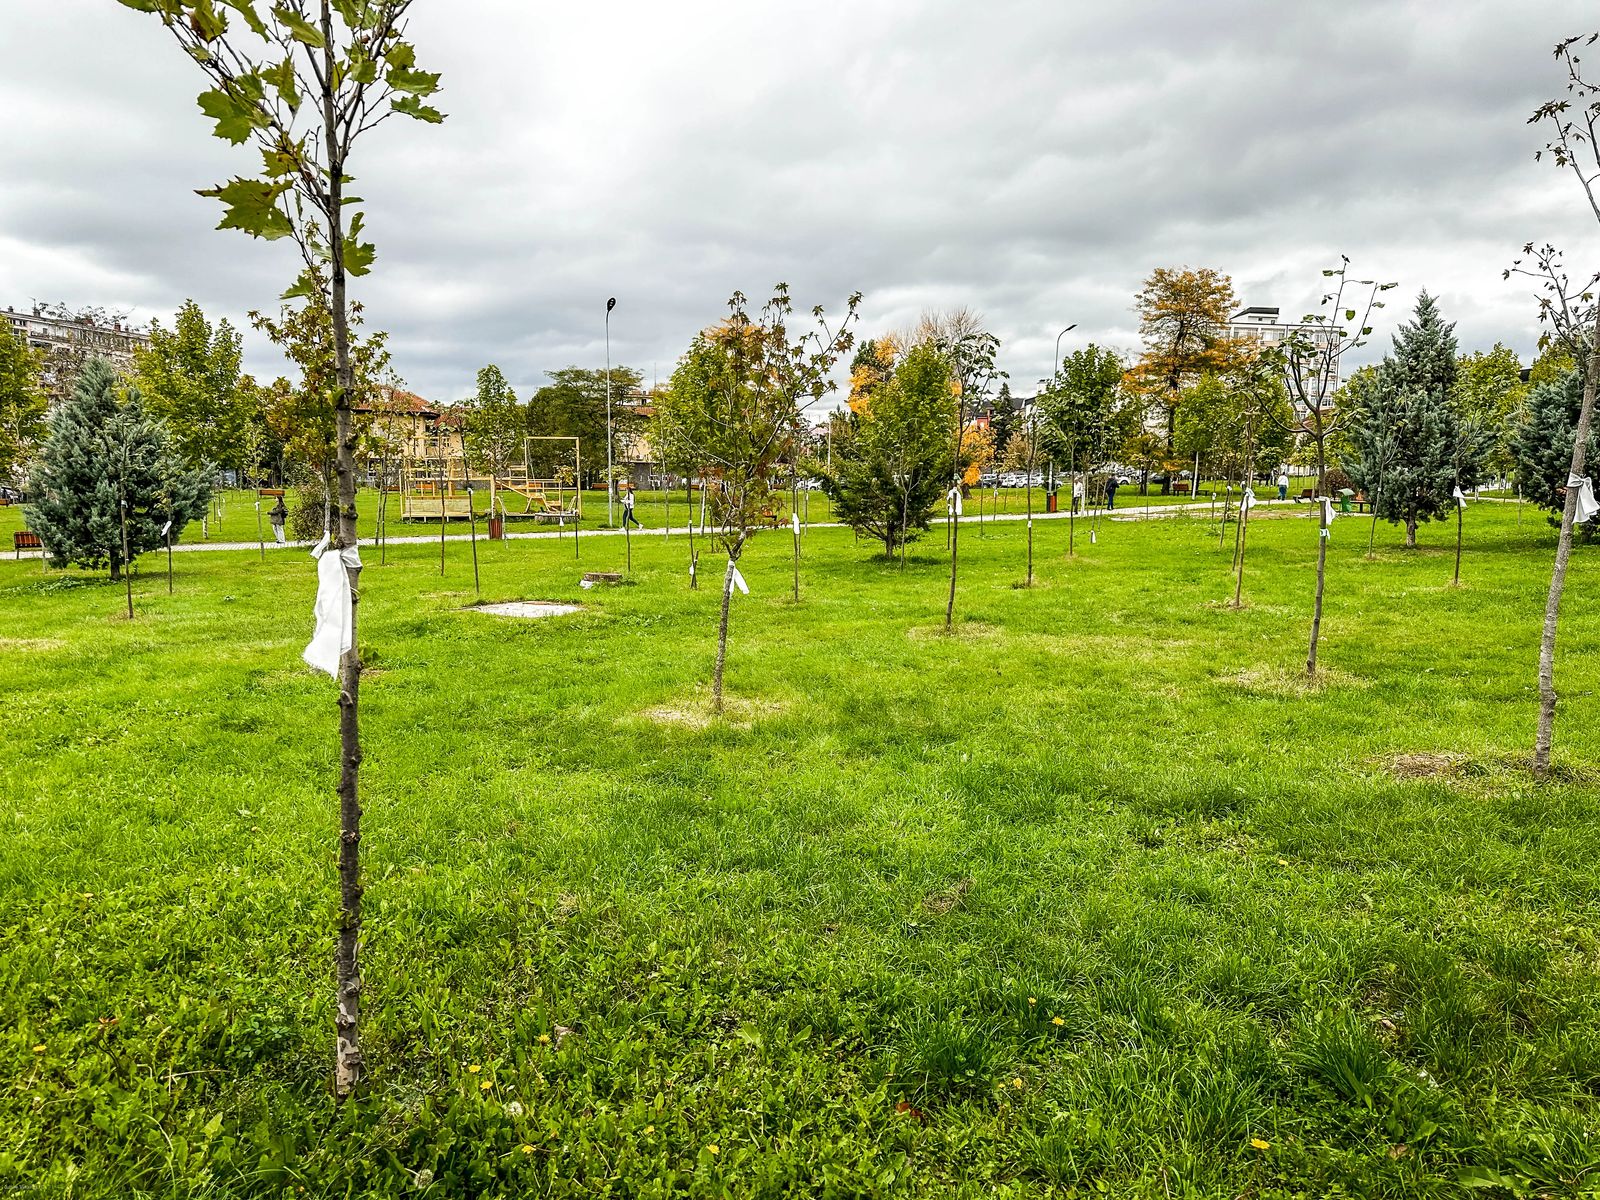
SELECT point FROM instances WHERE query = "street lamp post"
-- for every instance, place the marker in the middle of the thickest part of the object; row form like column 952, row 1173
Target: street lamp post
column 611, row 484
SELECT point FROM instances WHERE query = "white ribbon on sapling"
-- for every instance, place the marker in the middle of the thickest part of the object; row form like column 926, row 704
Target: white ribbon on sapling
column 165, row 528
column 1458, row 496
column 1328, row 514
column 1248, row 500
column 334, row 611
column 738, row 579
column 1588, row 506
column 953, row 499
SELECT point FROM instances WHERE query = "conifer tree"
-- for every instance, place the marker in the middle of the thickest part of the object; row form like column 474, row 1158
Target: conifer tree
column 1408, row 449
column 1542, row 446
column 103, row 452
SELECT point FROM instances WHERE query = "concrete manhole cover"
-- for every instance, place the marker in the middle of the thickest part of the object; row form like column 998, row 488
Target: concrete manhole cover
column 528, row 609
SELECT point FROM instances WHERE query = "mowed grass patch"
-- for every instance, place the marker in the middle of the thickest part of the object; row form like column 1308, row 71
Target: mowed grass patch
column 1087, row 896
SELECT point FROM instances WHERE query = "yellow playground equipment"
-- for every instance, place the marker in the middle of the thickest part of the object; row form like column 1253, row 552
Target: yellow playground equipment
column 435, row 488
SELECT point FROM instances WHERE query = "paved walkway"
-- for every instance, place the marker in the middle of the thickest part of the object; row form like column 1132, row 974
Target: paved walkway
column 1121, row 513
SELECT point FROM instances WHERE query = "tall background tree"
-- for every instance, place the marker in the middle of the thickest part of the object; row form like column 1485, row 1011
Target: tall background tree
column 733, row 409
column 104, row 462
column 1541, row 448
column 1489, row 395
column 189, row 378
column 1408, row 447
column 1183, row 321
column 494, row 425
column 304, row 81
column 891, row 453
column 22, row 406
column 573, row 404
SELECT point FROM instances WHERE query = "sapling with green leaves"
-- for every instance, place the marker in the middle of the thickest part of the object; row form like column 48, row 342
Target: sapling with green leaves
column 732, row 414
column 1575, row 317
column 303, row 82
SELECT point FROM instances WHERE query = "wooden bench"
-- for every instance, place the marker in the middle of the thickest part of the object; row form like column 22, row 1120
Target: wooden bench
column 1306, row 494
column 1180, row 488
column 25, row 539
column 771, row 518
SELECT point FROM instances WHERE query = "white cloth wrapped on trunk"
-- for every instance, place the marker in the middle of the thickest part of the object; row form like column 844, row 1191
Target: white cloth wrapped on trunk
column 1588, row 506
column 334, row 611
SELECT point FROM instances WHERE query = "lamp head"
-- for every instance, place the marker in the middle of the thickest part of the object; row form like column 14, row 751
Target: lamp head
column 611, row 303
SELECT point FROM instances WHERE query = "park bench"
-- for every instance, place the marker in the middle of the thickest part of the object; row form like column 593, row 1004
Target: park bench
column 25, row 539
column 770, row 517
column 1306, row 494
column 1180, row 488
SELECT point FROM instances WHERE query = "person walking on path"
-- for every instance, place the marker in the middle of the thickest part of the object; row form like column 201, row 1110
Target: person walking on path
column 627, row 510
column 1283, row 485
column 278, row 515
column 1077, row 495
column 1111, row 492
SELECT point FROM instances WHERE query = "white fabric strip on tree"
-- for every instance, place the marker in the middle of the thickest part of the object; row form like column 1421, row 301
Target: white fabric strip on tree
column 953, row 499
column 1459, row 497
column 1248, row 500
column 1588, row 506
column 1328, row 514
column 334, row 611
column 738, row 579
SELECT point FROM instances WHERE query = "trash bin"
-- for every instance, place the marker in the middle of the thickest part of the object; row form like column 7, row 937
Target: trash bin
column 497, row 529
column 1050, row 502
column 1344, row 499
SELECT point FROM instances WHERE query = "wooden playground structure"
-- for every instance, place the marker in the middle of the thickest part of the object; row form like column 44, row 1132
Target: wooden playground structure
column 442, row 488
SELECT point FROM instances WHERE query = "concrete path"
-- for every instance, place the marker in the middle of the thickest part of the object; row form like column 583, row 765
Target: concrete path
column 1121, row 513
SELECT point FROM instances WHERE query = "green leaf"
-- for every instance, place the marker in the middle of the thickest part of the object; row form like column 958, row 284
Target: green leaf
column 401, row 54
column 300, row 288
column 207, row 21
column 362, row 69
column 252, row 206
column 413, row 107
column 247, row 10
column 281, row 77
column 235, row 116
column 299, row 28
column 1349, row 314
column 149, row 6
column 414, row 83
column 358, row 255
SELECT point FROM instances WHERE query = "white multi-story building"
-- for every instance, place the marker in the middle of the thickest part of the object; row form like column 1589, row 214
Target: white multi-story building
column 115, row 340
column 1321, row 377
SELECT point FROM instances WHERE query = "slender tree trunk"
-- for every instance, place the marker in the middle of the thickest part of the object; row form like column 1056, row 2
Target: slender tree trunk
column 722, row 635
column 694, row 559
column 348, row 1064
column 1558, row 576
column 1030, row 524
column 1316, row 611
column 440, row 448
column 1238, row 584
column 1456, row 582
column 1411, row 533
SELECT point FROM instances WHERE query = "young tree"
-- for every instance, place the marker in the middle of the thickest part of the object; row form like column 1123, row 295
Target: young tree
column 1309, row 358
column 733, row 409
column 305, row 82
column 1183, row 319
column 22, row 405
column 1022, row 454
column 970, row 351
column 105, row 464
column 493, row 426
column 891, row 460
column 189, row 378
column 1408, row 450
column 303, row 418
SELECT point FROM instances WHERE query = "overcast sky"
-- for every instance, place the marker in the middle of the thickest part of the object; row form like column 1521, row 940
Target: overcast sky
column 1033, row 160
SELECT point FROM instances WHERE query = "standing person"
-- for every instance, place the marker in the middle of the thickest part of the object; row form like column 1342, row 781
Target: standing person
column 1111, row 492
column 278, row 515
column 1283, row 484
column 1077, row 495
column 627, row 510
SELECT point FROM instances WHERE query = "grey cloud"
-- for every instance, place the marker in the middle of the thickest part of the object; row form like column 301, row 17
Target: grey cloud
column 1034, row 160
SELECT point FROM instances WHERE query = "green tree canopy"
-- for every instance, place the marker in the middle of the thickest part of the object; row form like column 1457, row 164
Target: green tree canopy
column 189, row 379
column 573, row 404
column 103, row 452
column 22, row 405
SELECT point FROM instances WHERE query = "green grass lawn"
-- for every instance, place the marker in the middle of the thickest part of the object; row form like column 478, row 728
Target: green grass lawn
column 1092, row 897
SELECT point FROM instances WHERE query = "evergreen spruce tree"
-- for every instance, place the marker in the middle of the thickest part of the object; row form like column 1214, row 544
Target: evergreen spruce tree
column 1408, row 450
column 102, row 452
column 1542, row 446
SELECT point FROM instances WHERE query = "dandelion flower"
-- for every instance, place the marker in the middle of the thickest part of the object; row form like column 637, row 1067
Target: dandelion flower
column 527, row 1149
column 1057, row 1021
column 474, row 1069
column 544, row 1039
column 1259, row 1144
column 714, row 1148
column 39, row 1049
column 1032, row 1000
column 1017, row 1083
column 1283, row 862
column 486, row 1085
